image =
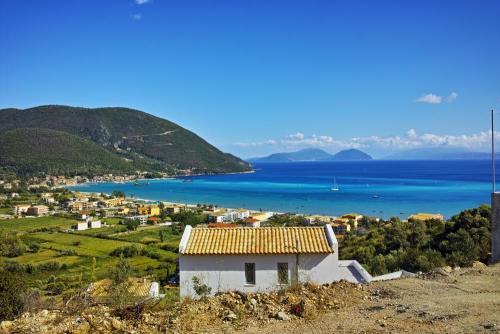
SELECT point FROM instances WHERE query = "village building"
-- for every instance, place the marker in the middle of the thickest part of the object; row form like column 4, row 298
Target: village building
column 252, row 222
column 354, row 217
column 112, row 202
column 261, row 259
column 38, row 210
column 150, row 210
column 143, row 219
column 81, row 226
column 341, row 228
column 174, row 208
column 21, row 209
column 123, row 210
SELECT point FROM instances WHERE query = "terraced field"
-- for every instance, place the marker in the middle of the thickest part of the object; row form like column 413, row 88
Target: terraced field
column 77, row 251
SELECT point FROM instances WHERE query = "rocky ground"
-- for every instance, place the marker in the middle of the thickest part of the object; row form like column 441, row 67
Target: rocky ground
column 445, row 301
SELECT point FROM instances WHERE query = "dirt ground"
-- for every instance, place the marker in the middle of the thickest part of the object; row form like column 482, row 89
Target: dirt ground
column 445, row 301
column 462, row 301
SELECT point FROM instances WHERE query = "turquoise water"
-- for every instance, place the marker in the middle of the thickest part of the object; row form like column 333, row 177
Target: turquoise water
column 378, row 188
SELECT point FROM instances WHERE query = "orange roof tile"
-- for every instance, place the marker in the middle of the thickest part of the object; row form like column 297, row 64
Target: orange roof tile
column 261, row 240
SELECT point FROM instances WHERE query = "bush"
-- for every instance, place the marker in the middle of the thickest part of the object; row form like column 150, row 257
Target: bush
column 392, row 245
column 126, row 251
column 12, row 289
column 132, row 224
column 201, row 289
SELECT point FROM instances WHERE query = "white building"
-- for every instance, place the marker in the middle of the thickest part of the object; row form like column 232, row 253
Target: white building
column 82, row 226
column 260, row 259
column 21, row 208
column 95, row 224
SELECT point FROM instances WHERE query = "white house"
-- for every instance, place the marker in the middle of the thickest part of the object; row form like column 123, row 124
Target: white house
column 261, row 258
column 95, row 224
column 82, row 226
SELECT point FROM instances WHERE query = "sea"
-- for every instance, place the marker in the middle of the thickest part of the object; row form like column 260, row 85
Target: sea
column 375, row 188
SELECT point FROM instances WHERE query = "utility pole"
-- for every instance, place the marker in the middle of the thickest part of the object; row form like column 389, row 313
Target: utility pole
column 495, row 202
column 493, row 149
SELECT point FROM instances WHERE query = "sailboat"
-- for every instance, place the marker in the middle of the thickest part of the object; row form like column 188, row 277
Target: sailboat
column 335, row 186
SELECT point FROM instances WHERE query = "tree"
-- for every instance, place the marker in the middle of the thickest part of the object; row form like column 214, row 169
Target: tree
column 121, row 272
column 118, row 193
column 132, row 224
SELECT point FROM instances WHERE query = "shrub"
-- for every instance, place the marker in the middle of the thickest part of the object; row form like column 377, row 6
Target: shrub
column 126, row 251
column 12, row 289
column 201, row 289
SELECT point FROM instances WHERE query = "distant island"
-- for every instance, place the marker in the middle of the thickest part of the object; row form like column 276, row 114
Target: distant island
column 314, row 154
column 64, row 140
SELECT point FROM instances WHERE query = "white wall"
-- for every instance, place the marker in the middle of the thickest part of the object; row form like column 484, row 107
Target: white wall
column 227, row 272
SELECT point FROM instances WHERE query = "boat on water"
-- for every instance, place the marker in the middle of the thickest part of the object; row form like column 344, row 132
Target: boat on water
column 335, row 185
column 375, row 196
column 137, row 183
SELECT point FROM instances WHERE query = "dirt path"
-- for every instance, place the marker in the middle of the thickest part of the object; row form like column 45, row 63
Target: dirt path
column 465, row 301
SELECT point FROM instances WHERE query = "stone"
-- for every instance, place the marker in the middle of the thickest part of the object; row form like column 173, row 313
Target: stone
column 282, row 316
column 489, row 326
column 478, row 264
column 230, row 316
column 5, row 325
column 447, row 269
column 253, row 302
column 116, row 324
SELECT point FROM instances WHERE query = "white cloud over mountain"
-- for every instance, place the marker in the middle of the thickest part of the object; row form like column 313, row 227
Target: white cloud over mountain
column 411, row 139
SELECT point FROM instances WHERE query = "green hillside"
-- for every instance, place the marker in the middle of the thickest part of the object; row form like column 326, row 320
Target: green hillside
column 118, row 135
column 29, row 151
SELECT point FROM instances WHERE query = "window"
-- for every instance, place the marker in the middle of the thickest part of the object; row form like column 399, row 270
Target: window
column 283, row 273
column 250, row 273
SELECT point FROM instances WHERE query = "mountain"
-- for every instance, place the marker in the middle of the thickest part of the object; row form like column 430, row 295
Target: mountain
column 125, row 139
column 313, row 154
column 351, row 155
column 438, row 153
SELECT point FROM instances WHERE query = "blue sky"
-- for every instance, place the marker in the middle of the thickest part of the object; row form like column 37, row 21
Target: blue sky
column 256, row 77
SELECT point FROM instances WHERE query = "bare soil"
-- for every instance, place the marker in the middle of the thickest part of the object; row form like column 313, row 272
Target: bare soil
column 462, row 301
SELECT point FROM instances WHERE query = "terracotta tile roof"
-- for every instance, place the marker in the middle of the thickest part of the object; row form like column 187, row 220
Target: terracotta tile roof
column 222, row 225
column 261, row 240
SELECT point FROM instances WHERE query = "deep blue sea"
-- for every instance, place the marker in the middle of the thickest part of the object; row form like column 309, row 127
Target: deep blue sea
column 378, row 188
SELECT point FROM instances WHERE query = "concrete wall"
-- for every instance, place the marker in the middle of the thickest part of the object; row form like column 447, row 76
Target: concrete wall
column 227, row 272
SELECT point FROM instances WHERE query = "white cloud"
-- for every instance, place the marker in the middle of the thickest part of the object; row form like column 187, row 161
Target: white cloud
column 137, row 16
column 141, row 2
column 452, row 97
column 411, row 133
column 430, row 99
column 437, row 99
column 411, row 139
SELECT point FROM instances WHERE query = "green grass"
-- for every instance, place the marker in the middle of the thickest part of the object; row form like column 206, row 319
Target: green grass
column 102, row 231
column 112, row 220
column 5, row 211
column 86, row 246
column 147, row 232
column 30, row 224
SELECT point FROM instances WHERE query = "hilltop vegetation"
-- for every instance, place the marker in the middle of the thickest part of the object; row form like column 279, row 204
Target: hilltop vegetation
column 30, row 150
column 392, row 245
column 73, row 140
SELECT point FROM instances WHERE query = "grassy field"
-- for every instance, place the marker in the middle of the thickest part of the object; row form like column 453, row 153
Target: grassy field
column 77, row 250
column 148, row 233
column 5, row 211
column 30, row 224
